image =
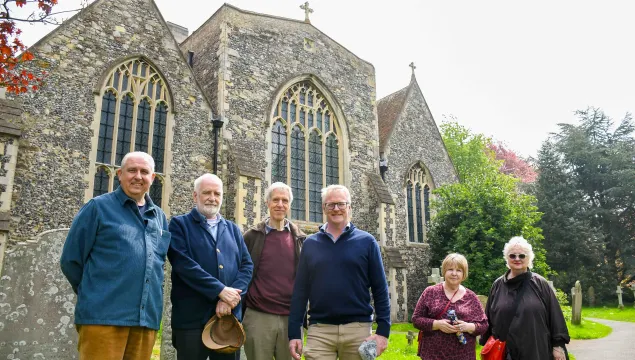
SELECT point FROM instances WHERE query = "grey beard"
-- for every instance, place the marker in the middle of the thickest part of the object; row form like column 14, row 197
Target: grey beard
column 209, row 211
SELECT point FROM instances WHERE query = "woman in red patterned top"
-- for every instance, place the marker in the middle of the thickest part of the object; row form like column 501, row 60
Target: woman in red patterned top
column 439, row 337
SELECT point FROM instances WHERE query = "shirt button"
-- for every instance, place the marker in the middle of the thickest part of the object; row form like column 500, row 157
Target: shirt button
column 218, row 251
column 147, row 281
column 142, row 307
column 220, row 266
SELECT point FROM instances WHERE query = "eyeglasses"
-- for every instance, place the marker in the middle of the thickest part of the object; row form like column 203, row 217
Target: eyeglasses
column 339, row 205
column 520, row 256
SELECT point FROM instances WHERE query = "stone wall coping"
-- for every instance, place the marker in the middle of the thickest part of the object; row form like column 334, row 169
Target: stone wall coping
column 416, row 244
column 394, row 258
column 10, row 113
column 381, row 189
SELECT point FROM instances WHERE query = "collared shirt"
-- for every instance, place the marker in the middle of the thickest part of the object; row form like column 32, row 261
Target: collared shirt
column 212, row 225
column 325, row 226
column 113, row 258
column 269, row 229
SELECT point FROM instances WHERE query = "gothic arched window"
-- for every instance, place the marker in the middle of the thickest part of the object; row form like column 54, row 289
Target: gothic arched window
column 418, row 203
column 304, row 119
column 133, row 117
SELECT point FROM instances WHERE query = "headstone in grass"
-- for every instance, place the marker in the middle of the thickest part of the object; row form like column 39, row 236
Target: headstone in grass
column 620, row 304
column 410, row 337
column 591, row 296
column 436, row 277
column 576, row 305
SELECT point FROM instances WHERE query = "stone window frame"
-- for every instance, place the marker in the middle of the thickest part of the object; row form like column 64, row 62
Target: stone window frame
column 139, row 94
column 418, row 174
column 341, row 130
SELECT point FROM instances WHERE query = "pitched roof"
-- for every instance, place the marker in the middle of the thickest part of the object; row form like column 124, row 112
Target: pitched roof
column 388, row 110
column 383, row 193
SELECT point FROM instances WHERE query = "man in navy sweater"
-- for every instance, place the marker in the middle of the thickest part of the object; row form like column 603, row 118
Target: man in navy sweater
column 338, row 265
column 211, row 269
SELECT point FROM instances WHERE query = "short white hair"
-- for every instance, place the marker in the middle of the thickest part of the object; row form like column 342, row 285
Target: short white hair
column 275, row 186
column 519, row 241
column 197, row 182
column 329, row 189
column 144, row 155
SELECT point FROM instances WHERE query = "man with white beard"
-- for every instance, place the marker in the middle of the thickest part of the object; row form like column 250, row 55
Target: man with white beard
column 211, row 269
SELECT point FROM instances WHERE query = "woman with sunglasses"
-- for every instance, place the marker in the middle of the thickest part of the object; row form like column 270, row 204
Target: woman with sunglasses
column 523, row 310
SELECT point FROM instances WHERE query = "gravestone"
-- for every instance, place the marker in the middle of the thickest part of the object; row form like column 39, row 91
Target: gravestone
column 591, row 296
column 37, row 304
column 576, row 304
column 436, row 277
column 410, row 337
column 483, row 300
column 620, row 304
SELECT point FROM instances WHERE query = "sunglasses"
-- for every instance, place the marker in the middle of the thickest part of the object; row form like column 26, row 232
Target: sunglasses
column 514, row 256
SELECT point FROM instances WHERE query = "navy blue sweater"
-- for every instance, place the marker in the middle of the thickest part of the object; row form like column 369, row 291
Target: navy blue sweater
column 335, row 278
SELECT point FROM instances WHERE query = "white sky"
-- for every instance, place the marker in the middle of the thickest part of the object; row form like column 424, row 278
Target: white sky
column 509, row 69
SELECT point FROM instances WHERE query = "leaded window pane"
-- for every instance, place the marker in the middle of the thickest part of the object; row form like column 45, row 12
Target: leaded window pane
column 143, row 126
column 315, row 177
column 115, row 183
column 310, row 102
column 319, row 120
column 285, row 109
column 426, row 204
column 410, row 209
column 279, row 152
column 302, row 115
column 115, row 82
column 101, row 182
column 292, row 112
column 126, row 79
column 419, row 214
column 310, row 123
column 150, row 88
column 135, row 67
column 156, row 192
column 302, row 96
column 332, row 161
column 298, row 207
column 158, row 136
column 125, row 127
column 327, row 122
column 106, row 128
column 159, row 88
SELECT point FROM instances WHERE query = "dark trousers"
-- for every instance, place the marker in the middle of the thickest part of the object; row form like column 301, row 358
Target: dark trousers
column 189, row 346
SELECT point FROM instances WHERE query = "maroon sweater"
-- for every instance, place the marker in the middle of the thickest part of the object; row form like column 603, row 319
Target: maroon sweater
column 271, row 289
column 437, row 344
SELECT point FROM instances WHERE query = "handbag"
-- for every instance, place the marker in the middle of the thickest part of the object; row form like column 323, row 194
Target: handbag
column 494, row 349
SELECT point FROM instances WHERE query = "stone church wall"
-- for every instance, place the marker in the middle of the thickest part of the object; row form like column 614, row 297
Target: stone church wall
column 256, row 56
column 415, row 138
column 57, row 137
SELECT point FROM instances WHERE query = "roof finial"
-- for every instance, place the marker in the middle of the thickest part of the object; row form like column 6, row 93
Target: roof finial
column 307, row 11
column 412, row 65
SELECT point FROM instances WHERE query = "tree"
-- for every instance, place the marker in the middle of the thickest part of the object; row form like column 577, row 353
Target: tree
column 478, row 215
column 598, row 159
column 513, row 164
column 13, row 53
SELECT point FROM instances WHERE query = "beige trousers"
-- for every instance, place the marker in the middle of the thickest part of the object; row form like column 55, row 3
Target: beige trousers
column 267, row 336
column 330, row 342
column 105, row 342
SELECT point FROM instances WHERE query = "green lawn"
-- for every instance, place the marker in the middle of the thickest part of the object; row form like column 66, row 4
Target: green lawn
column 626, row 314
column 588, row 330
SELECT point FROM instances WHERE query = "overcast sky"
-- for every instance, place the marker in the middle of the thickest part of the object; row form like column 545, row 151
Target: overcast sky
column 509, row 69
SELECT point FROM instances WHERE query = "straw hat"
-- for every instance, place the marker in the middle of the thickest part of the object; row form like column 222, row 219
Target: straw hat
column 224, row 335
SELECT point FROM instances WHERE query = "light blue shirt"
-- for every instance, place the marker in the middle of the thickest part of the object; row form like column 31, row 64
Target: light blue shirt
column 325, row 226
column 269, row 229
column 212, row 225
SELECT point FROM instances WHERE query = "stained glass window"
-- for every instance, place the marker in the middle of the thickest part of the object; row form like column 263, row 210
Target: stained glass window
column 133, row 91
column 315, row 177
column 418, row 203
column 298, row 175
column 418, row 213
column 312, row 160
column 411, row 223
column 426, row 204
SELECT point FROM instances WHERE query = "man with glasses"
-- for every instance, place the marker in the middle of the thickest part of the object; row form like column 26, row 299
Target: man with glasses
column 338, row 265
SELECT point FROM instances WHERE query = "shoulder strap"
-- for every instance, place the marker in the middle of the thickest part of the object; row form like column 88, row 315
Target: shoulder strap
column 448, row 304
column 508, row 321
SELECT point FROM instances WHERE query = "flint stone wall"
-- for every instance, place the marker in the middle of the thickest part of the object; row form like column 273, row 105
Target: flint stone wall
column 36, row 302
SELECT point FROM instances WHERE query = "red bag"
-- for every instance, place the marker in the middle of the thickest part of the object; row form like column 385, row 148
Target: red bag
column 493, row 349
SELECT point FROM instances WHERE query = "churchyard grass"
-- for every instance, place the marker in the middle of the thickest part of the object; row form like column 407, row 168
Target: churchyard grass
column 626, row 314
column 588, row 330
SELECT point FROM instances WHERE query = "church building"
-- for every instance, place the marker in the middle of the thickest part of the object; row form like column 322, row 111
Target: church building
column 255, row 97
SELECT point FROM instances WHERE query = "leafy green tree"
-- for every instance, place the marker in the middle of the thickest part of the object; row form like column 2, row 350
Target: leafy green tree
column 478, row 215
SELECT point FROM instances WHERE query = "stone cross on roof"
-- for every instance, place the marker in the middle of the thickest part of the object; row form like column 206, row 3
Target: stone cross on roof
column 307, row 11
column 412, row 65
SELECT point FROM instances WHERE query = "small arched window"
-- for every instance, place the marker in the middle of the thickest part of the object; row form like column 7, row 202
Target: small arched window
column 133, row 116
column 304, row 119
column 418, row 186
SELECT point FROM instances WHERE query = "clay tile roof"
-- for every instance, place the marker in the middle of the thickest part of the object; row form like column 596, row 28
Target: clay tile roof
column 388, row 110
column 381, row 189
column 394, row 258
column 10, row 112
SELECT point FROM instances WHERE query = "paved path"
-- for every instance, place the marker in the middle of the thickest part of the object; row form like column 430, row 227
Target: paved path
column 619, row 345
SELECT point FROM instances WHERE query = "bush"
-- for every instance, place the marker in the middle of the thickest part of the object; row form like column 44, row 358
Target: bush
column 562, row 297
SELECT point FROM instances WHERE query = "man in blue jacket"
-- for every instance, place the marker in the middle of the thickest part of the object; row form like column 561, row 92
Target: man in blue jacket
column 113, row 258
column 338, row 265
column 211, row 269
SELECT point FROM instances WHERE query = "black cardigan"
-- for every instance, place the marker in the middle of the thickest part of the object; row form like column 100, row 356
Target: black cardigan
column 538, row 323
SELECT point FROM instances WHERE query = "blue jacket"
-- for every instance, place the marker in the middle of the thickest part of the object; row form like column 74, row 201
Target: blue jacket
column 200, row 270
column 113, row 258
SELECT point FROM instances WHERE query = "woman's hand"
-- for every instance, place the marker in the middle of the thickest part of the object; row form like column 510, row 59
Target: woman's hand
column 466, row 327
column 444, row 325
column 558, row 353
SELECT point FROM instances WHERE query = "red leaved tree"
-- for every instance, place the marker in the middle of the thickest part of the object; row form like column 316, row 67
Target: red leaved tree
column 513, row 164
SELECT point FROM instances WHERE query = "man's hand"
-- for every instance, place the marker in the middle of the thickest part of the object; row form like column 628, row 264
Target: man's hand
column 444, row 325
column 230, row 296
column 295, row 348
column 382, row 342
column 222, row 309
